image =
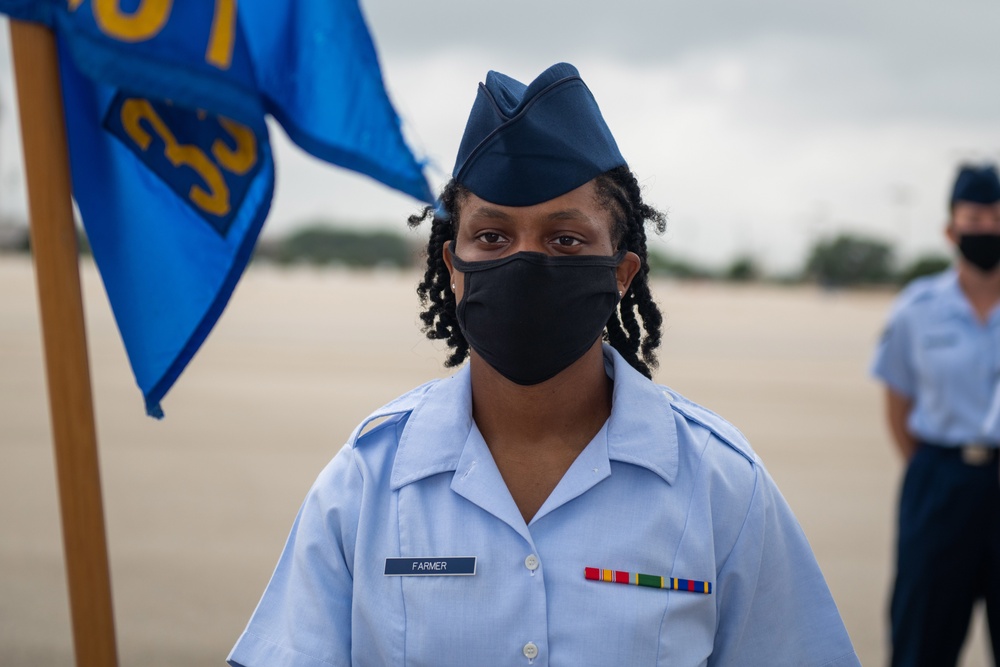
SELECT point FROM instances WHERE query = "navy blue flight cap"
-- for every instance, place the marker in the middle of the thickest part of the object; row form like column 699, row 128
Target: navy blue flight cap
column 976, row 184
column 524, row 145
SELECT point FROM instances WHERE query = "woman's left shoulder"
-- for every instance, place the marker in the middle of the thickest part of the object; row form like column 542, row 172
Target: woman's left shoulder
column 698, row 424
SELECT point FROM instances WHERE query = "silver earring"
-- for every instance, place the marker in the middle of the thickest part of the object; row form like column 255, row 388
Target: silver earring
column 453, row 287
column 619, row 294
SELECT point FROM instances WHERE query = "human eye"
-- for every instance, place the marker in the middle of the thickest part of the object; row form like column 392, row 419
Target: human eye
column 490, row 238
column 567, row 241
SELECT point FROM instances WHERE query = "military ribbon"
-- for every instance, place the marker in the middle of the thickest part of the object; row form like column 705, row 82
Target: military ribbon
column 648, row 580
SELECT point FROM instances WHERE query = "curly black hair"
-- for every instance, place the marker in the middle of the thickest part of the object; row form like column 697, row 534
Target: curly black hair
column 633, row 329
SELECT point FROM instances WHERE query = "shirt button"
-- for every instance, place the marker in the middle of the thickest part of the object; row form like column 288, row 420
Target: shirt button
column 531, row 562
column 530, row 651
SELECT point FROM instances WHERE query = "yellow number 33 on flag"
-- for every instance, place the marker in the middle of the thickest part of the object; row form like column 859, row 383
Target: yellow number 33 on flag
column 207, row 160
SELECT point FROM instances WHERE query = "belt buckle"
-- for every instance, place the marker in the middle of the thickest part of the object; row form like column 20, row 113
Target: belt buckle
column 976, row 455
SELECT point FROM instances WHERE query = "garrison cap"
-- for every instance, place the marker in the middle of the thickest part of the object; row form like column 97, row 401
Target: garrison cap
column 524, row 145
column 976, row 184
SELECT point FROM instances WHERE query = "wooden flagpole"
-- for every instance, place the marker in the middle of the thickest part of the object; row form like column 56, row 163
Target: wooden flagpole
column 54, row 247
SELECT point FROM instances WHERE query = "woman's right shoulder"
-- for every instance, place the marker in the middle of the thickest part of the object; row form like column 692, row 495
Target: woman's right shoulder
column 923, row 289
column 367, row 455
column 395, row 412
column 917, row 296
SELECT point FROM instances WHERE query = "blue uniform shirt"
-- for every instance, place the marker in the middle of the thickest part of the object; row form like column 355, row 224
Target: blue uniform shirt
column 666, row 488
column 937, row 352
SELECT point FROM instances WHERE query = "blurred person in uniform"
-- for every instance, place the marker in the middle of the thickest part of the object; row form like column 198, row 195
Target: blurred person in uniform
column 940, row 361
column 548, row 504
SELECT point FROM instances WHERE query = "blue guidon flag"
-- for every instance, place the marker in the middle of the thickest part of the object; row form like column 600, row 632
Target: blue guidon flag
column 165, row 103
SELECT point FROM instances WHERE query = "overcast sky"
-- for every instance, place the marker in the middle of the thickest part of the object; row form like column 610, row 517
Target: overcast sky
column 758, row 126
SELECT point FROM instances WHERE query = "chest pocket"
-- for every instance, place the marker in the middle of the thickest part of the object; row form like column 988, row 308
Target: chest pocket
column 483, row 619
column 636, row 625
column 942, row 353
column 940, row 341
column 955, row 376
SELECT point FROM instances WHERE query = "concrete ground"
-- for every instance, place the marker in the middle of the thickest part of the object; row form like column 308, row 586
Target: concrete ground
column 198, row 505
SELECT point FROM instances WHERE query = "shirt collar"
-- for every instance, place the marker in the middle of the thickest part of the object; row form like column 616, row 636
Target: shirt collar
column 641, row 430
column 955, row 303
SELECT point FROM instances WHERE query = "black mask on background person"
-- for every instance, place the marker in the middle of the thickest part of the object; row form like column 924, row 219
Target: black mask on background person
column 530, row 315
column 981, row 250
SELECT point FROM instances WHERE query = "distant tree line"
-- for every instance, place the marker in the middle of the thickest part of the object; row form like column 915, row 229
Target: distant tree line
column 845, row 260
column 14, row 236
column 324, row 245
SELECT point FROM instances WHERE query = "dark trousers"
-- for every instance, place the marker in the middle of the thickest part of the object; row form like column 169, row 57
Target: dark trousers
column 947, row 558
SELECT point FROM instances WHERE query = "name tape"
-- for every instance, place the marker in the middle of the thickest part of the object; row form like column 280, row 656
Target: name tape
column 430, row 567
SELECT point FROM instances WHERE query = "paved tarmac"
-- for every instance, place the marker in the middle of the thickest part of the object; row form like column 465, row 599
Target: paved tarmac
column 198, row 505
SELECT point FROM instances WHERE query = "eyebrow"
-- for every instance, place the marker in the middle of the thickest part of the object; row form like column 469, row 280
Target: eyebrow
column 488, row 212
column 568, row 214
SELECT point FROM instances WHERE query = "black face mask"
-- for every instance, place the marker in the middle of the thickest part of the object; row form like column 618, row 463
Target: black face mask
column 981, row 250
column 530, row 315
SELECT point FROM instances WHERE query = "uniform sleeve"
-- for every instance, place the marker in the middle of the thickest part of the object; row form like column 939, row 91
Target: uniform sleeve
column 304, row 616
column 893, row 356
column 774, row 606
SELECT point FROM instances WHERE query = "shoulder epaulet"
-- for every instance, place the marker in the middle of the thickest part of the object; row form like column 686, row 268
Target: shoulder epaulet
column 719, row 427
column 398, row 407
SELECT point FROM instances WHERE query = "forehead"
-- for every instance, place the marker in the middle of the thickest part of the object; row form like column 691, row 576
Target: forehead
column 581, row 204
column 969, row 209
